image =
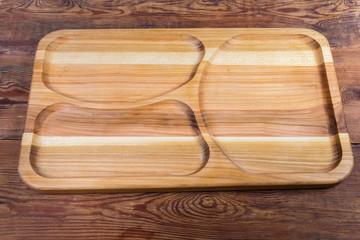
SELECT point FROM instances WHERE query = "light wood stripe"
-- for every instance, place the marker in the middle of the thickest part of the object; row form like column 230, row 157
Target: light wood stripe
column 273, row 139
column 268, row 58
column 38, row 140
column 123, row 58
column 48, row 141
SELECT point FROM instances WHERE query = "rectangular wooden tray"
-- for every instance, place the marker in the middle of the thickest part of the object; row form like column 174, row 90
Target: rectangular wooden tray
column 184, row 109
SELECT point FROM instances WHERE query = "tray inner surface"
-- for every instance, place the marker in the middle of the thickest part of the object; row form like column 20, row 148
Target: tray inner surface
column 159, row 139
column 268, row 106
column 120, row 67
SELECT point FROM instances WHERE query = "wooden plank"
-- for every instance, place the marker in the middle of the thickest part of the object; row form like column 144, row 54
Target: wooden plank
column 347, row 66
column 353, row 120
column 14, row 91
column 325, row 214
column 8, row 195
column 12, row 121
column 338, row 20
column 319, row 213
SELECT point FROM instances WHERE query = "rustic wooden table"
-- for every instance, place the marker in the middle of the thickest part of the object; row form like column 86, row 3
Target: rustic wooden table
column 332, row 213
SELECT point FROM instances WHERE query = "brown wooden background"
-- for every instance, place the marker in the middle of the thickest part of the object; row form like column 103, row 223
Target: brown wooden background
column 332, row 213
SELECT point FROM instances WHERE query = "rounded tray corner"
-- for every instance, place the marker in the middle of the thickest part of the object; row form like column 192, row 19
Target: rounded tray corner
column 317, row 36
column 30, row 177
column 346, row 162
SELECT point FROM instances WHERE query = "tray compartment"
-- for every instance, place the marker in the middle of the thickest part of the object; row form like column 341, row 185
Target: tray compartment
column 120, row 67
column 273, row 111
column 158, row 139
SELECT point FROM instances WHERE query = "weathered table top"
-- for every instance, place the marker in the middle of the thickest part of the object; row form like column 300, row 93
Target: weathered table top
column 318, row 213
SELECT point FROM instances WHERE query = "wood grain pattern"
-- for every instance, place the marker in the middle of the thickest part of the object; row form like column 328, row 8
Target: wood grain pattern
column 306, row 214
column 337, row 20
column 129, row 64
column 27, row 214
column 225, row 124
column 161, row 139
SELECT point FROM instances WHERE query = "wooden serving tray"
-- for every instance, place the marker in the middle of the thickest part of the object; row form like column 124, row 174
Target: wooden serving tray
column 171, row 109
